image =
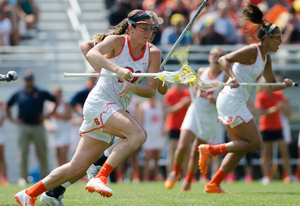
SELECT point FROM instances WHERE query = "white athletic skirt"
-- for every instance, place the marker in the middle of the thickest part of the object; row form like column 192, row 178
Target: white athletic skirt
column 201, row 122
column 95, row 115
column 231, row 111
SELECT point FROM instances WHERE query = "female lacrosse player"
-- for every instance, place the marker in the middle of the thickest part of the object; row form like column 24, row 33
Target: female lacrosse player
column 201, row 121
column 55, row 195
column 250, row 63
column 104, row 109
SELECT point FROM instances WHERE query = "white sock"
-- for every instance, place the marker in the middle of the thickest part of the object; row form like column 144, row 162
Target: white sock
column 66, row 184
column 106, row 153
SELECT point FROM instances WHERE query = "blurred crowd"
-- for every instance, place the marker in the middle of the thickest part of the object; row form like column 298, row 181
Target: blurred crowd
column 18, row 21
column 50, row 122
column 218, row 23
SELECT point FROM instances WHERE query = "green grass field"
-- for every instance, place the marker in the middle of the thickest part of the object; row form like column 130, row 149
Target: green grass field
column 276, row 193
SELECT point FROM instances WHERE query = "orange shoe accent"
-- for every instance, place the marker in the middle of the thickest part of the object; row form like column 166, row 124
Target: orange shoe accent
column 204, row 157
column 171, row 180
column 287, row 180
column 213, row 188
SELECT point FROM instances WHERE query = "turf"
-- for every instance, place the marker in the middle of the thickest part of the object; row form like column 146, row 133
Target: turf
column 276, row 193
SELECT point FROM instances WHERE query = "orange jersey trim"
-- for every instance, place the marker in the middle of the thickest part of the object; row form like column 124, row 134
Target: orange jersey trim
column 119, row 52
column 134, row 59
column 213, row 77
column 236, row 118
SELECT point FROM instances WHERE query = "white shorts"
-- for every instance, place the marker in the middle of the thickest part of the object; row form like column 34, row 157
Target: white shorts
column 202, row 124
column 231, row 111
column 95, row 116
column 154, row 142
column 1, row 136
column 61, row 134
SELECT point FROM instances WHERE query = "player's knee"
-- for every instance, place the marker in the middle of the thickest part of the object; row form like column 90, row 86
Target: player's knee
column 257, row 145
column 182, row 148
column 139, row 137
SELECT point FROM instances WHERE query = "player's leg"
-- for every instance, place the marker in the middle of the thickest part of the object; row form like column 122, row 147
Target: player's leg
column 286, row 161
column 185, row 139
column 266, row 161
column 4, row 180
column 156, row 156
column 147, row 158
column 192, row 164
column 133, row 135
column 87, row 152
column 245, row 138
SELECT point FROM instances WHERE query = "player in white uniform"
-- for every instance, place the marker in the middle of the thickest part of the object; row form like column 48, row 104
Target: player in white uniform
column 104, row 109
column 3, row 174
column 201, row 121
column 250, row 62
column 150, row 115
column 59, row 127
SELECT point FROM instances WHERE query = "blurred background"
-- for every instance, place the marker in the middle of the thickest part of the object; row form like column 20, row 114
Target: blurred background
column 44, row 36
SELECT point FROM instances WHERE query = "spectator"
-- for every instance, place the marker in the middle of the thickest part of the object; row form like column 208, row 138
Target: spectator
column 5, row 29
column 270, row 104
column 176, row 102
column 223, row 23
column 150, row 115
column 30, row 101
column 28, row 12
column 59, row 127
column 291, row 30
column 209, row 35
column 117, row 13
column 297, row 174
column 171, row 34
column 11, row 13
column 3, row 169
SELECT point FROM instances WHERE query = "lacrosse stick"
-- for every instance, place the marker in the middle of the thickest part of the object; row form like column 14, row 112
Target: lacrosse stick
column 10, row 76
column 183, row 33
column 213, row 85
column 184, row 75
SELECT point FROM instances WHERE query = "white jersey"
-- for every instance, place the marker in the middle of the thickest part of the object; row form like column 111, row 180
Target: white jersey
column 246, row 73
column 109, row 87
column 104, row 100
column 232, row 103
column 202, row 116
column 153, row 124
column 61, row 127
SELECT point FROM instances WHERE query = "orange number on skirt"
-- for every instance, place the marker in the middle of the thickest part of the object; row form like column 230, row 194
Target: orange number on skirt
column 96, row 121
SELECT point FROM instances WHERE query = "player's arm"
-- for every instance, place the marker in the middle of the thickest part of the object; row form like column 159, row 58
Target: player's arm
column 110, row 46
column 162, row 87
column 2, row 76
column 85, row 47
column 149, row 90
column 245, row 55
column 270, row 77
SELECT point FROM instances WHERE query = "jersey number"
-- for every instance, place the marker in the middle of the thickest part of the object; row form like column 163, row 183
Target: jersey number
column 96, row 121
column 203, row 94
column 134, row 79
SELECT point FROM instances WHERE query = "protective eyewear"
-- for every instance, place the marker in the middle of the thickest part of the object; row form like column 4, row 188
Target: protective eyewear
column 277, row 38
column 143, row 26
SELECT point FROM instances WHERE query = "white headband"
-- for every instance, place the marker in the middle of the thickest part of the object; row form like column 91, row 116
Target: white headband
column 269, row 32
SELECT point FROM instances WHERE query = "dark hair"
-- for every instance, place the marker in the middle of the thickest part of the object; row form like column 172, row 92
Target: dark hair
column 253, row 14
column 121, row 28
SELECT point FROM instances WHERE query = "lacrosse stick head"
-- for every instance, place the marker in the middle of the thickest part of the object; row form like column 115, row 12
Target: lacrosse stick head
column 182, row 54
column 208, row 86
column 184, row 75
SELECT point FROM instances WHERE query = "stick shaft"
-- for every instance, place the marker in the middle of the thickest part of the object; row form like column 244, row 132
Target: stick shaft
column 263, row 84
column 5, row 78
column 183, row 33
column 108, row 75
